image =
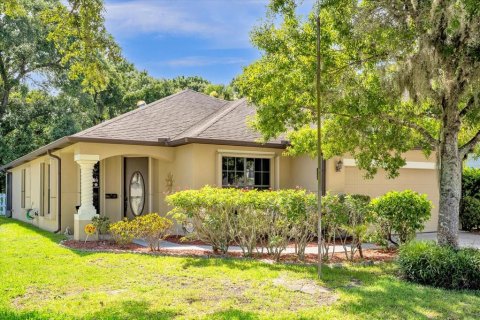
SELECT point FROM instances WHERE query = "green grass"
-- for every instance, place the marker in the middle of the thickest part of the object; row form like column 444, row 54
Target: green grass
column 41, row 280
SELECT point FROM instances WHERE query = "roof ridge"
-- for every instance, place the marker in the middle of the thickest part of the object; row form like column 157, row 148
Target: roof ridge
column 136, row 110
column 210, row 120
column 207, row 95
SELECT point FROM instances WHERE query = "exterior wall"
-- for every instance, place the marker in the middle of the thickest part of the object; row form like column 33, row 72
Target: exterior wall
column 351, row 180
column 33, row 193
column 193, row 166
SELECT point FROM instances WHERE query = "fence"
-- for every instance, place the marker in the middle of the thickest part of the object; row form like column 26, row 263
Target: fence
column 3, row 204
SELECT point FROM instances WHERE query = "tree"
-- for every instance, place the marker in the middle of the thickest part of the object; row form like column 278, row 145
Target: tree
column 400, row 74
column 38, row 37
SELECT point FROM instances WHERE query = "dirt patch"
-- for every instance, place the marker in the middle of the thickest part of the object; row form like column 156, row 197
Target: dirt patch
column 322, row 295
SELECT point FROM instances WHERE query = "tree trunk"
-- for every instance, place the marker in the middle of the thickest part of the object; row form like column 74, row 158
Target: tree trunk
column 450, row 186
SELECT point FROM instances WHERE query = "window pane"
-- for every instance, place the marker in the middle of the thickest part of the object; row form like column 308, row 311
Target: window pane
column 239, row 178
column 265, row 164
column 240, row 164
column 266, row 179
column 229, row 163
column 258, row 164
column 250, row 164
column 224, row 179
column 258, row 178
column 230, row 178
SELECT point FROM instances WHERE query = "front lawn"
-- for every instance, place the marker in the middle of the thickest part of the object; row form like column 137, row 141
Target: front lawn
column 41, row 280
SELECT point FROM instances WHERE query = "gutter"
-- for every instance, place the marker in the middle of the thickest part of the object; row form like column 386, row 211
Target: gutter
column 59, row 191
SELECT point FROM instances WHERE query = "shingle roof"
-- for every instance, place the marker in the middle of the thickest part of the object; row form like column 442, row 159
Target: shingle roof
column 179, row 117
column 164, row 118
column 184, row 117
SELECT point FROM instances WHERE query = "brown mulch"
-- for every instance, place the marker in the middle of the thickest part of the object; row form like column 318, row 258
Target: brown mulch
column 183, row 240
column 370, row 255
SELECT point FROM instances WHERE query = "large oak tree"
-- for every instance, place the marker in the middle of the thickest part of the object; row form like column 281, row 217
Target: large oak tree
column 397, row 75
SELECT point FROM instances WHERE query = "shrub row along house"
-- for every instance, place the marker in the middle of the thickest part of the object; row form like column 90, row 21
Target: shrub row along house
column 126, row 166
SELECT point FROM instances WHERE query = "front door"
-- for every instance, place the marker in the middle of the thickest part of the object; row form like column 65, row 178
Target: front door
column 136, row 186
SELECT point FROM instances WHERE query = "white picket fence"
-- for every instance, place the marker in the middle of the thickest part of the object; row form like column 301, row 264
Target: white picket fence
column 3, row 204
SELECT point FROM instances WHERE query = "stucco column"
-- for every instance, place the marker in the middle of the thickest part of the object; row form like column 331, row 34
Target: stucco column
column 86, row 211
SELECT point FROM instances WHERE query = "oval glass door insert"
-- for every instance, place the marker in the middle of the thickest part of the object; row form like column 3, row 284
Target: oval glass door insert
column 137, row 193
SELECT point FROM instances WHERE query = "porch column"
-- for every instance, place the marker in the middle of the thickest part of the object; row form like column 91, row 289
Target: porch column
column 86, row 211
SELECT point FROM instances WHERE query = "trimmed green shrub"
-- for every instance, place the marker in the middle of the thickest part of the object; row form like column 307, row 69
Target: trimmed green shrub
column 122, row 232
column 211, row 211
column 470, row 204
column 152, row 228
column 440, row 266
column 102, row 224
column 403, row 213
column 470, row 213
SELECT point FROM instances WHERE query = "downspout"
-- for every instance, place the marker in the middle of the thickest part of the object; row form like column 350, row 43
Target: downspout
column 59, row 191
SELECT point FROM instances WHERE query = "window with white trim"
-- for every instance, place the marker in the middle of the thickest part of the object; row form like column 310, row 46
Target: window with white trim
column 23, row 183
column 244, row 172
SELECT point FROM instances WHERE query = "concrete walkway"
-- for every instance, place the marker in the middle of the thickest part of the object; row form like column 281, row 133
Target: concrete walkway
column 176, row 246
column 466, row 239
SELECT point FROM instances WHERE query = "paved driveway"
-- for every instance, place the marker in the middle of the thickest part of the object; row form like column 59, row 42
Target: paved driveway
column 465, row 239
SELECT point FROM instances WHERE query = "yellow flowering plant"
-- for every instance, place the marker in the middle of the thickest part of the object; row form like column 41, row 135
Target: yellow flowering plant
column 89, row 229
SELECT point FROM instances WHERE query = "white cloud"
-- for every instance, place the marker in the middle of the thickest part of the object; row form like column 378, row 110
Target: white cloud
column 225, row 23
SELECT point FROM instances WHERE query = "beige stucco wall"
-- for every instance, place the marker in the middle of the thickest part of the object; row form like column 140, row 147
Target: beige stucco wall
column 351, row 180
column 196, row 165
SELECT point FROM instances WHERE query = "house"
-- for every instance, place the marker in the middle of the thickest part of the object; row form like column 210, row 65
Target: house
column 125, row 166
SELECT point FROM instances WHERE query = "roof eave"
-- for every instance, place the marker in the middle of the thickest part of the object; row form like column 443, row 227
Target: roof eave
column 189, row 140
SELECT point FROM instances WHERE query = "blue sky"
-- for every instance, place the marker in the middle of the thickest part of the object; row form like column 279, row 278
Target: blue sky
column 208, row 38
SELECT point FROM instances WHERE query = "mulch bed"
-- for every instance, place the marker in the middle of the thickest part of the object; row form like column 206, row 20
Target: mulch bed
column 370, row 255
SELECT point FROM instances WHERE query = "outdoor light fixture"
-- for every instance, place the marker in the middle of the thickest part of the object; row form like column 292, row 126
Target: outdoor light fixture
column 338, row 165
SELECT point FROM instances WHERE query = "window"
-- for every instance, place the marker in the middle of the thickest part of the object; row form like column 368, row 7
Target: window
column 44, row 189
column 23, row 183
column 242, row 172
column 96, row 186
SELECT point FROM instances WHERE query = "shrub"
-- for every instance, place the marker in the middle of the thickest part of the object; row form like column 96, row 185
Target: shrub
column 152, row 228
column 211, row 211
column 102, row 224
column 440, row 266
column 356, row 225
column 401, row 212
column 250, row 222
column 470, row 204
column 470, row 213
column 122, row 232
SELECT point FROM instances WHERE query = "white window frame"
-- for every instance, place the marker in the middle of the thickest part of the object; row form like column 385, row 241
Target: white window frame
column 274, row 163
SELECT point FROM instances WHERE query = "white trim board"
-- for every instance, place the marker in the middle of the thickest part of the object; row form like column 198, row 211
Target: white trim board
column 409, row 165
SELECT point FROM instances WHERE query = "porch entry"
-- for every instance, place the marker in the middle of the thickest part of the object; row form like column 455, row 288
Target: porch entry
column 135, row 186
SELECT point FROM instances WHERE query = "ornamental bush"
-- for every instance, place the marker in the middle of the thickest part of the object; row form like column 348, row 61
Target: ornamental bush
column 152, row 228
column 122, row 232
column 403, row 213
column 470, row 204
column 211, row 211
column 440, row 266
column 102, row 224
column 470, row 213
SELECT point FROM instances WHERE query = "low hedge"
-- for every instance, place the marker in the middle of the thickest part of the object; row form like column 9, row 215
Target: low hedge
column 440, row 266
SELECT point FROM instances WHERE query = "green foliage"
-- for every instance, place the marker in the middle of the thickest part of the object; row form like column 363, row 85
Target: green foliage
column 440, row 266
column 271, row 219
column 102, row 224
column 152, row 228
column 402, row 212
column 348, row 219
column 122, row 232
column 470, row 213
column 470, row 204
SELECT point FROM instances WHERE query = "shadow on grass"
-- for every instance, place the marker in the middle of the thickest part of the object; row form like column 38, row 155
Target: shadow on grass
column 6, row 222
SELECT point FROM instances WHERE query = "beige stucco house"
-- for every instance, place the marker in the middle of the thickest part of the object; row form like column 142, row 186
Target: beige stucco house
column 125, row 166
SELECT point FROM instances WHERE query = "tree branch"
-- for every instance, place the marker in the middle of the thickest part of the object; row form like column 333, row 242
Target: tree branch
column 431, row 140
column 468, row 147
column 471, row 103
